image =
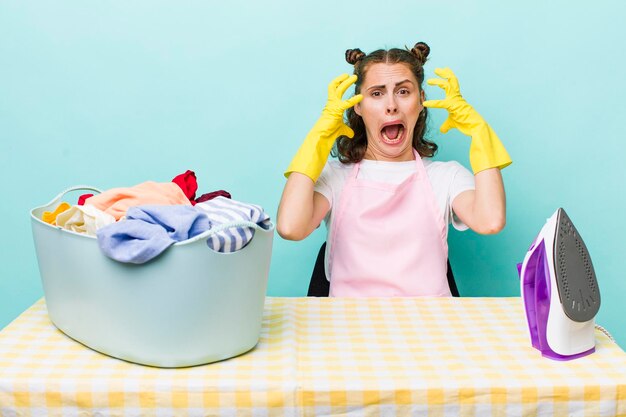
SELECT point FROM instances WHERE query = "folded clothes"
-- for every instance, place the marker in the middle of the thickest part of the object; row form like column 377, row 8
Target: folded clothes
column 116, row 201
column 84, row 219
column 51, row 216
column 222, row 210
column 148, row 230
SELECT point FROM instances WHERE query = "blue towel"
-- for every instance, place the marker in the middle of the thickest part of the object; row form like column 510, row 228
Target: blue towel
column 149, row 230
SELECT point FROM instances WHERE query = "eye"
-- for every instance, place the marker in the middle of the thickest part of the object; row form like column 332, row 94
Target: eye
column 376, row 93
column 404, row 91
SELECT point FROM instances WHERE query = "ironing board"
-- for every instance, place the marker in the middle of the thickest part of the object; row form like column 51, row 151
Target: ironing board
column 325, row 356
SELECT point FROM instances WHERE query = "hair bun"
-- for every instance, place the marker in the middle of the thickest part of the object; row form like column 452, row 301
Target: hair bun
column 354, row 55
column 421, row 51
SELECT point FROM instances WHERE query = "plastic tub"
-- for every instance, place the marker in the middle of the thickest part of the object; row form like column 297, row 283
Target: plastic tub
column 187, row 307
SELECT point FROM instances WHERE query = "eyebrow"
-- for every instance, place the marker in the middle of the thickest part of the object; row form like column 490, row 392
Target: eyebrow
column 397, row 84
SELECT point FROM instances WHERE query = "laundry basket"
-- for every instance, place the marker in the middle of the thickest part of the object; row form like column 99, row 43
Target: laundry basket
column 189, row 306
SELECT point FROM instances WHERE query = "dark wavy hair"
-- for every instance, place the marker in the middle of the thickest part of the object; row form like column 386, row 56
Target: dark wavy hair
column 353, row 150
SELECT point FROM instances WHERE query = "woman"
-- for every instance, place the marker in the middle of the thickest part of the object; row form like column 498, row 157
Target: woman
column 386, row 205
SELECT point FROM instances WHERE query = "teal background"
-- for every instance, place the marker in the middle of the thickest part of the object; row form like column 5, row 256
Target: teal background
column 115, row 93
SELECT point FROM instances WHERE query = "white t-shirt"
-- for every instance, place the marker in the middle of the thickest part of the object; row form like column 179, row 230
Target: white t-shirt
column 447, row 179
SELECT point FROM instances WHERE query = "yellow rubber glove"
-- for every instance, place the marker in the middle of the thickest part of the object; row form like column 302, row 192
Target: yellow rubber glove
column 486, row 150
column 313, row 153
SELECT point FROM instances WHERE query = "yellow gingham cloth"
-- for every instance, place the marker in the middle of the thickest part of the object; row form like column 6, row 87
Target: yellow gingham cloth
column 325, row 356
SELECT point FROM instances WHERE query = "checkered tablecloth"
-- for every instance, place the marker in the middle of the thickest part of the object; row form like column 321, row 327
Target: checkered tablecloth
column 321, row 356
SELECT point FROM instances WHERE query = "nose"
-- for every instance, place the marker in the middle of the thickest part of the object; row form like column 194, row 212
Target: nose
column 392, row 106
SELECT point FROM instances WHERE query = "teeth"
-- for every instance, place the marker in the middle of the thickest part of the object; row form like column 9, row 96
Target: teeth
column 397, row 139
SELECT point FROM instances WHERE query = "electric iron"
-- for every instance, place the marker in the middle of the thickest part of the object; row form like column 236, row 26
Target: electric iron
column 559, row 291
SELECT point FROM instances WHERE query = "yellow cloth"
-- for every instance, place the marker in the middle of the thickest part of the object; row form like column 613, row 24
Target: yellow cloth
column 486, row 150
column 313, row 153
column 330, row 356
column 51, row 216
column 117, row 200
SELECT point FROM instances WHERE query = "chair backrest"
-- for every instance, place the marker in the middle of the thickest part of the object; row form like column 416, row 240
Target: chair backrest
column 320, row 287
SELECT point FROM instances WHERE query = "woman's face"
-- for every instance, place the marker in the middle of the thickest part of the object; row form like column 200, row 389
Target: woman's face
column 392, row 102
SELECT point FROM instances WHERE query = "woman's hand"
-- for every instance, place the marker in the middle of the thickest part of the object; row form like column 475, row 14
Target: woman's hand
column 313, row 154
column 336, row 105
column 486, row 150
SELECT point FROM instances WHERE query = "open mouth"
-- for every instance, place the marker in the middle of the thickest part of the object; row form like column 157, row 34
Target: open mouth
column 393, row 133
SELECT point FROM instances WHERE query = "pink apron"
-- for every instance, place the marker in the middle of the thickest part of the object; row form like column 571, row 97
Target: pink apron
column 388, row 240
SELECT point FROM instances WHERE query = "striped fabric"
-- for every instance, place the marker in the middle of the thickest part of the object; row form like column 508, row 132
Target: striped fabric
column 222, row 210
column 325, row 356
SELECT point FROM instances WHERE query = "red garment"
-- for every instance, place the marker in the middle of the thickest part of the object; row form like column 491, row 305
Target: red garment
column 188, row 183
column 212, row 195
column 82, row 198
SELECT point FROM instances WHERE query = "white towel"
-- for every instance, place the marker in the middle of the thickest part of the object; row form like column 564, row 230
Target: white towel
column 84, row 219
